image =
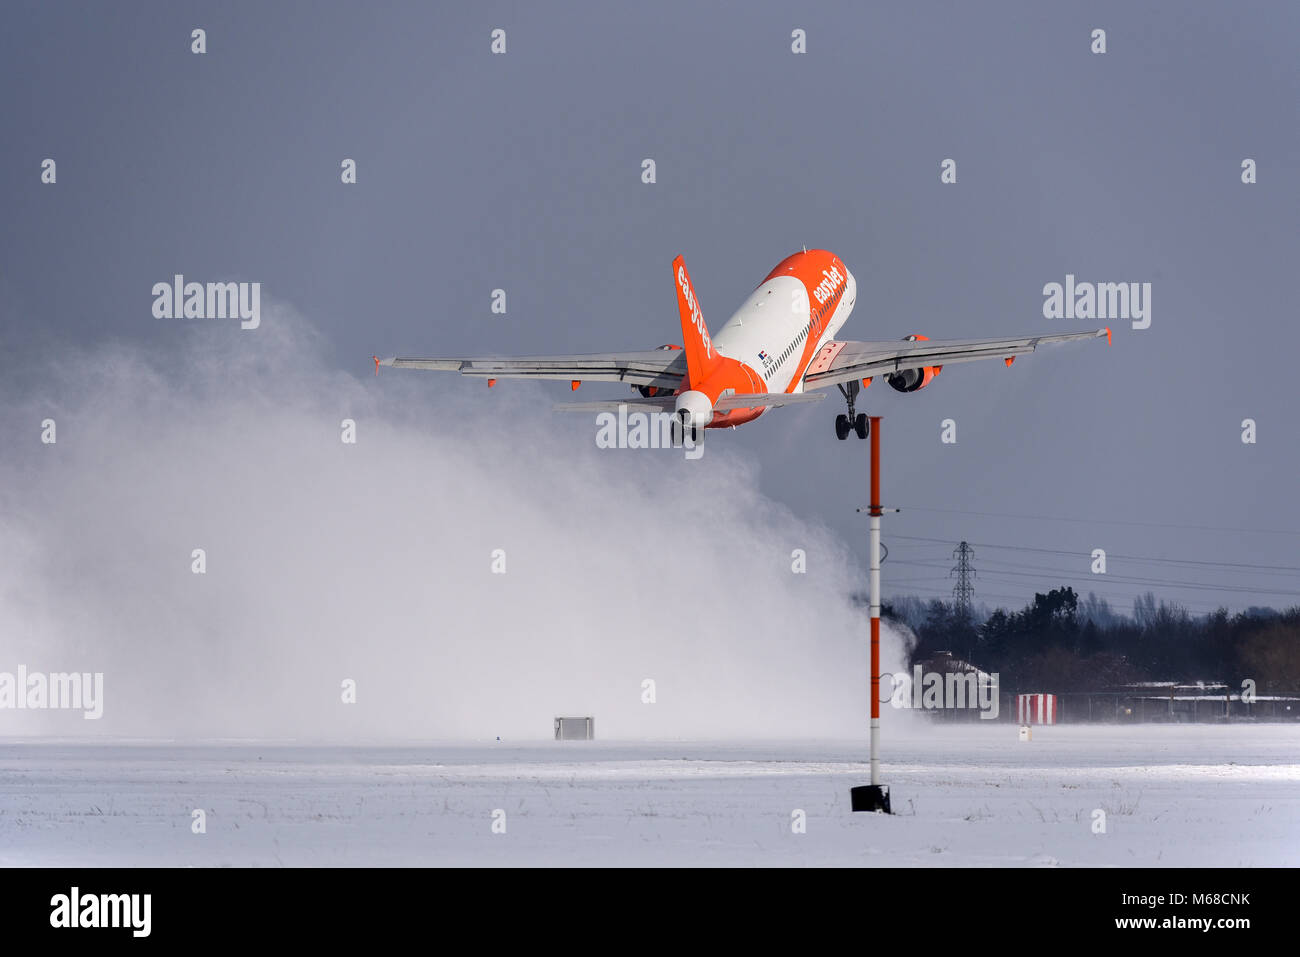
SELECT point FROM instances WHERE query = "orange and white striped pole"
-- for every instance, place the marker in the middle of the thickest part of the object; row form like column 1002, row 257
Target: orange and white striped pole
column 874, row 568
column 875, row 796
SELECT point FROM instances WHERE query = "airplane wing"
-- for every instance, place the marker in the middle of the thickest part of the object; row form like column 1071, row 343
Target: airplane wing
column 844, row 361
column 658, row 367
column 666, row 403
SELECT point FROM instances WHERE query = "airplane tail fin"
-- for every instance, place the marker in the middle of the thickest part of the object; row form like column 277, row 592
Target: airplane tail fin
column 700, row 355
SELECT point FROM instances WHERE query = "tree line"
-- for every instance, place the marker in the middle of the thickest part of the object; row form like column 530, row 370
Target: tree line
column 1060, row 643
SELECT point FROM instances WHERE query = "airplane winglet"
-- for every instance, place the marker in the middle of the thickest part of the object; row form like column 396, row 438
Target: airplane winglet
column 376, row 358
column 1108, row 335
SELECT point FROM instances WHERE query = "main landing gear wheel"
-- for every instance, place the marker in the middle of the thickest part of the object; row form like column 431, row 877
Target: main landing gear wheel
column 855, row 421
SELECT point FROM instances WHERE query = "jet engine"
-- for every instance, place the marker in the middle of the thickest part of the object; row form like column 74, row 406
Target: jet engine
column 909, row 380
column 693, row 409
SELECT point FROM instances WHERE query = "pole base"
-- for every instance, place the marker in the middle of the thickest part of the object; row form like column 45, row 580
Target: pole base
column 871, row 797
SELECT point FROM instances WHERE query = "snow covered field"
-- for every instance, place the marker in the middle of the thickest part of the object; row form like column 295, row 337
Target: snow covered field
column 966, row 795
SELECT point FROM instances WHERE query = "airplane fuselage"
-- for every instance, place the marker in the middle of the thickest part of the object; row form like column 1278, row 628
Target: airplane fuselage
column 769, row 341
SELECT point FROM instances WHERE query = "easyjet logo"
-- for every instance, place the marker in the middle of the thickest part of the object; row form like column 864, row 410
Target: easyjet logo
column 697, row 318
column 826, row 288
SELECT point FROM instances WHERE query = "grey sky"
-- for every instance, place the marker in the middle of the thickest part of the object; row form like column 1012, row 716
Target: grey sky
column 522, row 171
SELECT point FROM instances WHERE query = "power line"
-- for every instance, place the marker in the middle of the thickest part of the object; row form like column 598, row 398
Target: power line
column 1075, row 571
column 1133, row 558
column 1090, row 583
column 1101, row 578
column 1120, row 580
column 1116, row 602
column 1035, row 571
column 1001, row 574
column 1102, row 521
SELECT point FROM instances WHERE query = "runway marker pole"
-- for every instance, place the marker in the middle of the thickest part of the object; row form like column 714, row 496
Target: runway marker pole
column 874, row 797
column 875, row 600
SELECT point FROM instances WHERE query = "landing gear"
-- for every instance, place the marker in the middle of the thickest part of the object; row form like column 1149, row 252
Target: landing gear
column 855, row 421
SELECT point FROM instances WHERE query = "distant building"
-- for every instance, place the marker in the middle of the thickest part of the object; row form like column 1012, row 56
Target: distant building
column 964, row 692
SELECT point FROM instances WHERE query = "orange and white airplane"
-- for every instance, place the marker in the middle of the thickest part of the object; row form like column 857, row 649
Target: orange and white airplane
column 776, row 347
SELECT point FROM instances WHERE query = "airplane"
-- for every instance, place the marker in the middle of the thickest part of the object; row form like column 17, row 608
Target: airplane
column 774, row 350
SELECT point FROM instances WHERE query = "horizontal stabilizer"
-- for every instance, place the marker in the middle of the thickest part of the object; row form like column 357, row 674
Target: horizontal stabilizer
column 663, row 403
column 764, row 399
column 666, row 403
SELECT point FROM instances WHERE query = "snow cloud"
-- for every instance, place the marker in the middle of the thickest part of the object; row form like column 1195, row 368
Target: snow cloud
column 473, row 565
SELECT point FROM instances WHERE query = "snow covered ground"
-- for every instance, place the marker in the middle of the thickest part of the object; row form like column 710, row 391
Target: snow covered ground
column 963, row 795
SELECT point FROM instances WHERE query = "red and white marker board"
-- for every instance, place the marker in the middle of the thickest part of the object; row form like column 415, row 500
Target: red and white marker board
column 1036, row 708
